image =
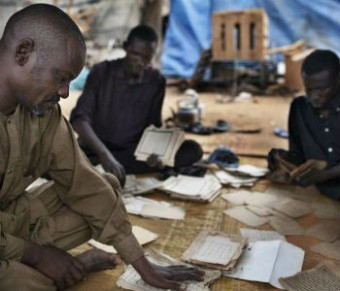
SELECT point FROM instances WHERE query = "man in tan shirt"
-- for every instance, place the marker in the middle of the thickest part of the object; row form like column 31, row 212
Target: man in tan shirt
column 41, row 51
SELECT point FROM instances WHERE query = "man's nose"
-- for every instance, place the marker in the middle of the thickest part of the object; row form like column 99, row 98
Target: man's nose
column 64, row 90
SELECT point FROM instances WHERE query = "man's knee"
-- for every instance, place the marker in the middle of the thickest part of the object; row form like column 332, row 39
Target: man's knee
column 17, row 276
column 189, row 153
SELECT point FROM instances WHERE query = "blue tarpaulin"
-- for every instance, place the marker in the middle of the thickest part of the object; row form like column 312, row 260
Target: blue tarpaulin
column 317, row 22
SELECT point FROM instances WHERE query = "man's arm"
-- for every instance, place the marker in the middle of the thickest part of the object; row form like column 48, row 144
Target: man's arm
column 90, row 138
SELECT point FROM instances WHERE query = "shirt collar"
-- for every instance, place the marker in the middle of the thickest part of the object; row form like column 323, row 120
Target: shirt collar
column 120, row 72
column 334, row 104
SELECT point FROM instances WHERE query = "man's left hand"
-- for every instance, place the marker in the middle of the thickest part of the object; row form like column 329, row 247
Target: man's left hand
column 310, row 172
column 166, row 277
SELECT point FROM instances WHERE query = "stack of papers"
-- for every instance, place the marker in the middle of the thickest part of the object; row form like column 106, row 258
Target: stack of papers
column 234, row 180
column 163, row 142
column 204, row 189
column 248, row 170
column 215, row 250
column 131, row 280
column 154, row 209
column 267, row 261
column 142, row 235
column 140, row 185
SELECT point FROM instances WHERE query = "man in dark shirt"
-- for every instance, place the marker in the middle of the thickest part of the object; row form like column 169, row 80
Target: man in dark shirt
column 314, row 129
column 122, row 98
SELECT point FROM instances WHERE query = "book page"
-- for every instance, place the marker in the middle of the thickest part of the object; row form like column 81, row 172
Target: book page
column 238, row 197
column 242, row 214
column 258, row 253
column 330, row 250
column 288, row 262
column 286, row 226
column 325, row 231
column 263, row 235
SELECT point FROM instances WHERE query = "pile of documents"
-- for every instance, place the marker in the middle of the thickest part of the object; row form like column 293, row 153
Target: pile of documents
column 204, row 189
column 131, row 280
column 215, row 250
column 163, row 142
column 244, row 175
column 153, row 209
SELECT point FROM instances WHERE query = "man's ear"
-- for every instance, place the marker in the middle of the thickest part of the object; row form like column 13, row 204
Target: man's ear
column 23, row 51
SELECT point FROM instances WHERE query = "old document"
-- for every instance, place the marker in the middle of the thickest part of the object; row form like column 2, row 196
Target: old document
column 316, row 279
column 215, row 250
column 163, row 142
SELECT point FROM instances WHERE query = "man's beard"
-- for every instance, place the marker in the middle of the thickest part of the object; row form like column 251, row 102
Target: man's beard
column 38, row 110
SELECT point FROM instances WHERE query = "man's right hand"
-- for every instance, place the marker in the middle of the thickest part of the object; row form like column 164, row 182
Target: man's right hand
column 55, row 263
column 111, row 165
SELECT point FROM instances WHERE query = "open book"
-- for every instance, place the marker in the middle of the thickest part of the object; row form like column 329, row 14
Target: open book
column 163, row 142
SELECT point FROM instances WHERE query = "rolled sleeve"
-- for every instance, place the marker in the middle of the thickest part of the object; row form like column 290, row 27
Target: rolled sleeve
column 90, row 194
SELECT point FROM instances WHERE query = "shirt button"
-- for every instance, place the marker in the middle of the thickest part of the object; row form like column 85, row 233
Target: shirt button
column 326, row 129
column 337, row 109
column 330, row 150
column 321, row 116
column 9, row 171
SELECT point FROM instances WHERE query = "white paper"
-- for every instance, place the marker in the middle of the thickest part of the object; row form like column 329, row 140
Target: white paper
column 267, row 261
column 249, row 170
column 264, row 235
column 142, row 235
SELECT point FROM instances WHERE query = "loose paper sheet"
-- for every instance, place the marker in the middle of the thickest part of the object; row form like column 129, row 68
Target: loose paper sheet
column 263, row 235
column 325, row 231
column 215, row 250
column 132, row 281
column 267, row 261
column 317, row 279
column 286, row 226
column 326, row 211
column 154, row 209
column 330, row 250
column 260, row 210
column 292, row 207
column 140, row 185
column 234, row 180
column 238, row 197
column 242, row 214
column 249, row 170
column 142, row 235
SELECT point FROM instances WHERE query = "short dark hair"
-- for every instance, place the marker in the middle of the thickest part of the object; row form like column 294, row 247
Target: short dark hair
column 41, row 22
column 142, row 32
column 321, row 60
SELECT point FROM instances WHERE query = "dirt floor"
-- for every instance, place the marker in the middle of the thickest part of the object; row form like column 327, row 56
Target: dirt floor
column 175, row 236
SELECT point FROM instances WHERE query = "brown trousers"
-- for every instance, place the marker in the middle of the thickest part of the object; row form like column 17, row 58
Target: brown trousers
column 44, row 219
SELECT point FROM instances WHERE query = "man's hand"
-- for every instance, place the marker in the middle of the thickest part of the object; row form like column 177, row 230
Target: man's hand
column 154, row 161
column 55, row 263
column 111, row 165
column 166, row 277
column 310, row 172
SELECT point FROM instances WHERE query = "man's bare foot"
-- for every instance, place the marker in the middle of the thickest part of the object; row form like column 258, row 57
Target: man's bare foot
column 97, row 260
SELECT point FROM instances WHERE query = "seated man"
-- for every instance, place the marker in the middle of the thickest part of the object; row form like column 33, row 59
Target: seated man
column 314, row 129
column 41, row 51
column 120, row 99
